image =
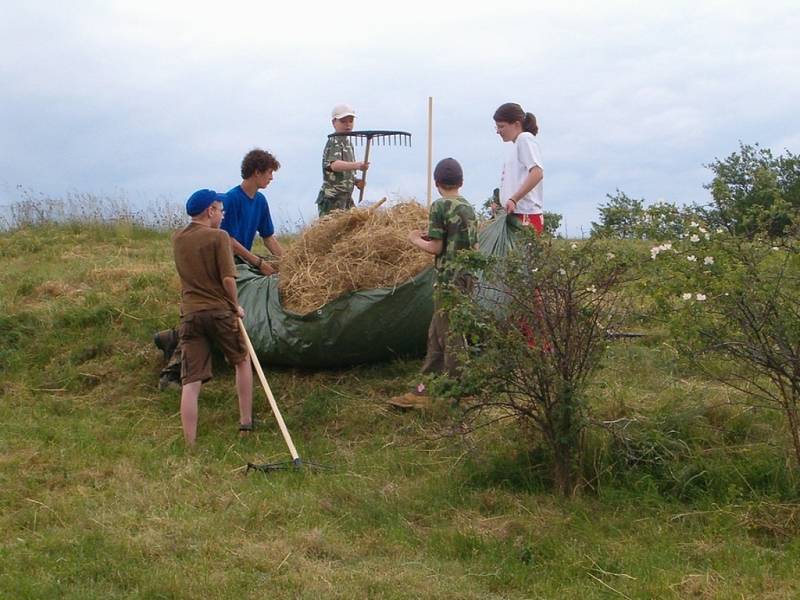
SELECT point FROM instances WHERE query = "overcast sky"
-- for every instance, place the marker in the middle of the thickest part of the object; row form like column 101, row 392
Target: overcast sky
column 152, row 100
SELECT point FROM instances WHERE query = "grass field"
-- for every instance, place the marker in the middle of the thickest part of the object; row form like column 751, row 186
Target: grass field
column 99, row 499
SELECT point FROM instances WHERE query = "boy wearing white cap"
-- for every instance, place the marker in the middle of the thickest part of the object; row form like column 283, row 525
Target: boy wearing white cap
column 339, row 165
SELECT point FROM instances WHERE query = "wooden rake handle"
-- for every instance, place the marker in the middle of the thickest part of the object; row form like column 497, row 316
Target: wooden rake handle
column 364, row 172
column 273, row 405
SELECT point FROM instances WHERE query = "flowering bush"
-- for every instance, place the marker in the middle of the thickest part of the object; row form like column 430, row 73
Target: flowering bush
column 738, row 300
column 537, row 328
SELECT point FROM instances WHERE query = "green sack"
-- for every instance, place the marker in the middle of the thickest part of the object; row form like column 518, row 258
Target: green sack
column 359, row 327
column 498, row 237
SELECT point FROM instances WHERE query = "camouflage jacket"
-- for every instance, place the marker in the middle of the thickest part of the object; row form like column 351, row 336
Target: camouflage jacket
column 453, row 221
column 333, row 183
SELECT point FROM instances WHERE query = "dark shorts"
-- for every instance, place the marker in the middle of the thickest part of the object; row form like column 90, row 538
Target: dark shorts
column 326, row 204
column 198, row 331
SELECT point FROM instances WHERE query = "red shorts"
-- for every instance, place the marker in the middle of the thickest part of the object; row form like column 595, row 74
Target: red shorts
column 535, row 221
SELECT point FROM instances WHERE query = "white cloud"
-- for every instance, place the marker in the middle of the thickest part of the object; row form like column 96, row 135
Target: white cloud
column 162, row 98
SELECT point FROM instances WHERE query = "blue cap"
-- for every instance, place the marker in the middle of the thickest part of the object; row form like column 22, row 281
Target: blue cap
column 201, row 200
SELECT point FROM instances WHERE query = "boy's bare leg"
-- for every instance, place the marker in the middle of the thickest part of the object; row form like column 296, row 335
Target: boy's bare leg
column 189, row 394
column 244, row 390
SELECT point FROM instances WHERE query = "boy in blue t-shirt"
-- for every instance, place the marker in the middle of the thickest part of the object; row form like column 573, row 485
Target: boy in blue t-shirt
column 247, row 211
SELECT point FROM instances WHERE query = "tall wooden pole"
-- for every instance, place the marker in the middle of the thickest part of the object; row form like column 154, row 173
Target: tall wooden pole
column 430, row 148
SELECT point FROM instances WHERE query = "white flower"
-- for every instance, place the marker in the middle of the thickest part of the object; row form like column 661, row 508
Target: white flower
column 691, row 258
column 666, row 246
column 591, row 289
column 612, row 256
column 694, row 224
column 574, row 246
column 707, row 236
column 681, row 236
column 700, row 297
column 535, row 269
column 687, row 296
column 708, row 260
column 775, row 248
column 562, row 272
column 702, row 230
column 694, row 238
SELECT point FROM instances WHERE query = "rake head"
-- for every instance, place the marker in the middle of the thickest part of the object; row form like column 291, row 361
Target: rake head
column 289, row 465
column 381, row 137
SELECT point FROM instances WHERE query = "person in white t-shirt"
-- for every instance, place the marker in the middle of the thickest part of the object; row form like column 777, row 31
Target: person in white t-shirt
column 521, row 188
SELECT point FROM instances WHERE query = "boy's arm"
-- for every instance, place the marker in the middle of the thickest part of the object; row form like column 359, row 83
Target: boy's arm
column 331, row 159
column 227, row 270
column 273, row 245
column 433, row 241
column 250, row 258
column 430, row 246
column 339, row 166
column 229, row 283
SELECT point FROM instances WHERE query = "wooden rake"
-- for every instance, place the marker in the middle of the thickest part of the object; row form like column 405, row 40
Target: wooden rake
column 382, row 137
column 296, row 460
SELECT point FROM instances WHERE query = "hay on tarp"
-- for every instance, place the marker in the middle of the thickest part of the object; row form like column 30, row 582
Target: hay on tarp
column 345, row 251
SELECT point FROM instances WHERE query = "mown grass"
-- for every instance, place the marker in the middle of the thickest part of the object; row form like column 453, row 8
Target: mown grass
column 696, row 497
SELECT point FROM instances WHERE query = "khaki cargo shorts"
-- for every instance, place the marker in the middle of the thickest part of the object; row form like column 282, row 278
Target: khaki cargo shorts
column 200, row 330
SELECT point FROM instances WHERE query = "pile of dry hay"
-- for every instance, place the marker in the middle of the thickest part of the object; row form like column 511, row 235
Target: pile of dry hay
column 357, row 249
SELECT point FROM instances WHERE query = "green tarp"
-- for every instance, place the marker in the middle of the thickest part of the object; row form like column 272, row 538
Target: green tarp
column 360, row 327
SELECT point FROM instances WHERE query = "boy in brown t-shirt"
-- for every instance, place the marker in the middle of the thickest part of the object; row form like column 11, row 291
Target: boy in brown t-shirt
column 210, row 309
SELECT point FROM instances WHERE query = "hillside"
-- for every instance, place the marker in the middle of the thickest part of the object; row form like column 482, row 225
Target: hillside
column 99, row 498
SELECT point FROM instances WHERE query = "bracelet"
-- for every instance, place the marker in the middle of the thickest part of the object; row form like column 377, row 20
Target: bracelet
column 260, row 261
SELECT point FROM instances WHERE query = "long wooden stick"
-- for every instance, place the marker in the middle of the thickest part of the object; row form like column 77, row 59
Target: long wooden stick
column 364, row 173
column 430, row 147
column 273, row 405
column 377, row 205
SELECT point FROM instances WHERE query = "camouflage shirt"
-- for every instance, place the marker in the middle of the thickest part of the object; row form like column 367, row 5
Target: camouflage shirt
column 337, row 184
column 453, row 221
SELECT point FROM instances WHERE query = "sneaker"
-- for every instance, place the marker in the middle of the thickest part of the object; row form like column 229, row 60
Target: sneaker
column 411, row 400
column 168, row 382
column 166, row 341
